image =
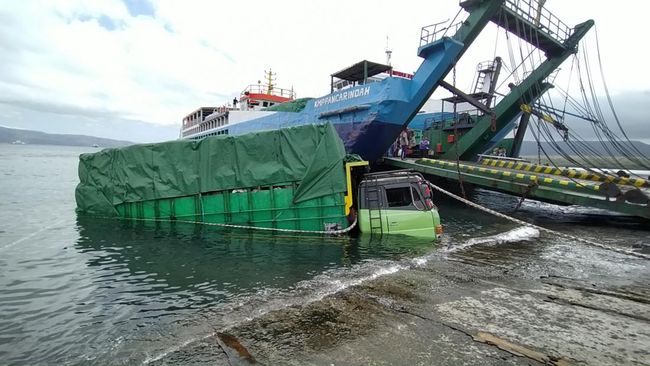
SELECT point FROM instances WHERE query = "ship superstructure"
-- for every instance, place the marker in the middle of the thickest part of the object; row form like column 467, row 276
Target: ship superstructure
column 369, row 103
column 212, row 121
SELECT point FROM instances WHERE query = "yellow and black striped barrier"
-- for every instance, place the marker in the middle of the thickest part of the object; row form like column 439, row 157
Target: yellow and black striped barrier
column 524, row 178
column 570, row 173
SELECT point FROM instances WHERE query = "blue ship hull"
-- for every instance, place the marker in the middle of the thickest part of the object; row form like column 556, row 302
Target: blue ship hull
column 368, row 118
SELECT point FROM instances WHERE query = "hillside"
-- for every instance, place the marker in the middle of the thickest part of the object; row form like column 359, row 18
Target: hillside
column 9, row 135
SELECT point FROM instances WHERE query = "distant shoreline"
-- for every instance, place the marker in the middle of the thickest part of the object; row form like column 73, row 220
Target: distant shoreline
column 46, row 145
column 29, row 137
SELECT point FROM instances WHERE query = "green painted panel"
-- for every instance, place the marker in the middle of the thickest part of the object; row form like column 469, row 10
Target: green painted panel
column 214, row 208
column 239, row 208
column 185, row 208
column 285, row 217
column 260, row 208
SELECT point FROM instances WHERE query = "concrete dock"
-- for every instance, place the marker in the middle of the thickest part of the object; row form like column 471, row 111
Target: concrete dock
column 494, row 301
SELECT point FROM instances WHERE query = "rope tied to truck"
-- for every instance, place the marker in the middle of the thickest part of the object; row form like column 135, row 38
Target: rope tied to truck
column 248, row 227
column 541, row 229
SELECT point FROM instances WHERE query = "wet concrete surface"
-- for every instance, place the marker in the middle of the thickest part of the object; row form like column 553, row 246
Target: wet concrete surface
column 529, row 302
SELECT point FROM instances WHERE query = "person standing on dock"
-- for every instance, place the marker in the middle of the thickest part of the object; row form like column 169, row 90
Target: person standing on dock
column 424, row 147
column 403, row 143
column 412, row 143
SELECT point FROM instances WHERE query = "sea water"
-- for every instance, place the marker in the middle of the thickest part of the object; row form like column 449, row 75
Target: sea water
column 78, row 290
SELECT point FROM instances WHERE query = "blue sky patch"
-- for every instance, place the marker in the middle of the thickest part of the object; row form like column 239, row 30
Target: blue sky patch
column 107, row 23
column 139, row 7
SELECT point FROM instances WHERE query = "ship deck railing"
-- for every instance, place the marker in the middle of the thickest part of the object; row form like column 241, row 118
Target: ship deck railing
column 264, row 89
column 531, row 11
column 462, row 119
column 433, row 32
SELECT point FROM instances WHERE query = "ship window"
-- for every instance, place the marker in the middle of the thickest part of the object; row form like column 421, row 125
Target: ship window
column 265, row 104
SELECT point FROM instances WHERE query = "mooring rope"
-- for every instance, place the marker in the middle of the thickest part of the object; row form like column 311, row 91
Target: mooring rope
column 542, row 229
column 247, row 227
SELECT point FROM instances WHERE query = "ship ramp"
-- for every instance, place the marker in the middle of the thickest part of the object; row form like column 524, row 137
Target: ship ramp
column 629, row 196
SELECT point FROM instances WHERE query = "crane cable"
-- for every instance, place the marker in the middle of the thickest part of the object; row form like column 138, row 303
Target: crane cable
column 609, row 97
column 612, row 137
column 460, row 178
column 596, row 110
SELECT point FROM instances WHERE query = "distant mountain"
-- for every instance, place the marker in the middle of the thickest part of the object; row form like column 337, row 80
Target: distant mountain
column 529, row 148
column 9, row 135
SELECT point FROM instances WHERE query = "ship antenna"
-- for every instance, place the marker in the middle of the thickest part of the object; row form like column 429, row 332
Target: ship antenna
column 389, row 53
column 270, row 78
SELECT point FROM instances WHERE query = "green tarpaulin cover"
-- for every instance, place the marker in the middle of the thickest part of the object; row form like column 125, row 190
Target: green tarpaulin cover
column 311, row 155
column 292, row 106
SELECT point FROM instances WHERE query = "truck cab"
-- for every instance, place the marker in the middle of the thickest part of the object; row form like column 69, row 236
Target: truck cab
column 397, row 202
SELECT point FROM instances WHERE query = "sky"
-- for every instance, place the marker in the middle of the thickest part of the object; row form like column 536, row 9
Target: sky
column 131, row 70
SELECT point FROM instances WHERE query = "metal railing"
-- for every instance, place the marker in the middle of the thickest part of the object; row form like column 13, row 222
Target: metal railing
column 533, row 12
column 497, row 157
column 488, row 65
column 265, row 89
column 549, row 79
column 448, row 121
column 436, row 31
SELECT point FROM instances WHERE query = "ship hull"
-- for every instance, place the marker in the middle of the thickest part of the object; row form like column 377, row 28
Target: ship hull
column 366, row 117
column 369, row 117
column 368, row 139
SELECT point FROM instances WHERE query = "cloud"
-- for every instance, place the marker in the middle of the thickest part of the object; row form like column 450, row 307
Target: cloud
column 155, row 61
column 104, row 58
column 58, row 108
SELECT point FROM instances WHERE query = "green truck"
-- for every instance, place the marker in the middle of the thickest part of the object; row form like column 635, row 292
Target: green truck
column 295, row 179
column 397, row 202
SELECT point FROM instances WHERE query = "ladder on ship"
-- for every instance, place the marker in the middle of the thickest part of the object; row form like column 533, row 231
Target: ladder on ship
column 486, row 74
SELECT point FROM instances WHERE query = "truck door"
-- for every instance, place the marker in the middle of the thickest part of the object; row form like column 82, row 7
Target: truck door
column 407, row 212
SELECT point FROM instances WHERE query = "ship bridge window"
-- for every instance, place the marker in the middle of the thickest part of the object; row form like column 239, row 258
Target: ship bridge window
column 265, row 104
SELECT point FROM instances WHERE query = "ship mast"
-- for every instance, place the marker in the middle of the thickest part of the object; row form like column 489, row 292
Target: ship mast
column 270, row 79
column 389, row 53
